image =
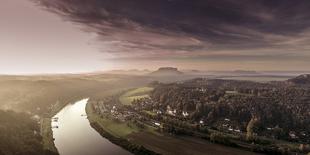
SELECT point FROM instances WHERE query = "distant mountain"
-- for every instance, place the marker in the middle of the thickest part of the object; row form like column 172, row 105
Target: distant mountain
column 166, row 71
column 129, row 72
column 193, row 72
column 245, row 72
column 302, row 79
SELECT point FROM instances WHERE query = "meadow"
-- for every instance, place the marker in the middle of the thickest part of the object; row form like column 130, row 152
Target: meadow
column 134, row 94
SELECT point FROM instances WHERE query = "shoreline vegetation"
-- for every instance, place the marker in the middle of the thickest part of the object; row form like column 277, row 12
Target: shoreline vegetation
column 47, row 134
column 124, row 143
column 46, row 124
column 115, row 137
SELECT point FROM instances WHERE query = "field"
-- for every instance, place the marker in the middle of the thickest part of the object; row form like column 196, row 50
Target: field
column 117, row 129
column 137, row 93
column 182, row 145
column 257, row 78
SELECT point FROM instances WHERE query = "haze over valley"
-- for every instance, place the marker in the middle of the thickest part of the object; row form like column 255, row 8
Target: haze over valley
column 170, row 77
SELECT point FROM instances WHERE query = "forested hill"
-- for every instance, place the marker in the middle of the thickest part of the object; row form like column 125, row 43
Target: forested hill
column 302, row 79
column 20, row 135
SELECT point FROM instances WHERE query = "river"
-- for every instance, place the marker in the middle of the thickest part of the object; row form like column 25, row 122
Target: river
column 74, row 135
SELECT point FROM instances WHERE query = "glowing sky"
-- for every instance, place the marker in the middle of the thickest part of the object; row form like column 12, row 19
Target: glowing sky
column 88, row 35
column 36, row 41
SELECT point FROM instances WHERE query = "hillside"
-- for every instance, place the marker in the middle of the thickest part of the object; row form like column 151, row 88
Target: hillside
column 20, row 135
column 302, row 79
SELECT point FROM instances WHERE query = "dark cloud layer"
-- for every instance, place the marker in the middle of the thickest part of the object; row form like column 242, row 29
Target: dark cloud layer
column 237, row 29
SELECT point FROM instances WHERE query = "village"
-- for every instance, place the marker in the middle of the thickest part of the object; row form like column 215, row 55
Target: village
column 227, row 108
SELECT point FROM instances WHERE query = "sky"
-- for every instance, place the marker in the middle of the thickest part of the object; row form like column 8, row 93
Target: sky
column 52, row 36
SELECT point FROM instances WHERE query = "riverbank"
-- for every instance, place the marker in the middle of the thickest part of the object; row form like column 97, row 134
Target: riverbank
column 124, row 143
column 47, row 135
column 129, row 136
column 46, row 124
column 116, row 132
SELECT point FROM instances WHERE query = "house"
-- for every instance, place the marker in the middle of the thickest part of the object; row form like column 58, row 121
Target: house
column 237, row 130
column 226, row 119
column 170, row 111
column 157, row 124
column 159, row 112
column 293, row 135
column 185, row 114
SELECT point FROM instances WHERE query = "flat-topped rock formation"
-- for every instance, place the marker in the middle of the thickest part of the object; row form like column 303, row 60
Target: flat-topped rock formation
column 166, row 71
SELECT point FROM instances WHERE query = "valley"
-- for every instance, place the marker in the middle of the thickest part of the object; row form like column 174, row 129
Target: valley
column 157, row 115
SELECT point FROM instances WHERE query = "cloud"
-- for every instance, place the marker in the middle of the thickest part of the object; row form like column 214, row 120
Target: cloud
column 174, row 29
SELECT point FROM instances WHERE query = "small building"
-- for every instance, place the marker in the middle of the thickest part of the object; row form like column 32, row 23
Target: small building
column 237, row 130
column 185, row 114
column 293, row 135
column 157, row 124
column 232, row 92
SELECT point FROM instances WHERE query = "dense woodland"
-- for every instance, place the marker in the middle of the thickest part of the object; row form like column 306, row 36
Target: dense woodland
column 276, row 110
column 20, row 135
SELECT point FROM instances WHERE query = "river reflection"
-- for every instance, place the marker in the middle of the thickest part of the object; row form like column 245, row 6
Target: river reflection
column 74, row 135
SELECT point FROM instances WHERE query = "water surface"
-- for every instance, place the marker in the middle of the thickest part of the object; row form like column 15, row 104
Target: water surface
column 75, row 136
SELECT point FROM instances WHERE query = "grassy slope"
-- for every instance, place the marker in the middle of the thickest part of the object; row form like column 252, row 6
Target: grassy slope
column 117, row 129
column 138, row 93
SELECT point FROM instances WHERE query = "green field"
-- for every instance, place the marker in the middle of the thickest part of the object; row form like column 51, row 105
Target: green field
column 151, row 113
column 117, row 129
column 166, row 144
column 137, row 93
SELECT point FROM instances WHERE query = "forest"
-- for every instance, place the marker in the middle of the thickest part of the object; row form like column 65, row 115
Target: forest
column 20, row 135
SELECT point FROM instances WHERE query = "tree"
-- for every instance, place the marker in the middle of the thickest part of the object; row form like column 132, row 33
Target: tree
column 250, row 128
